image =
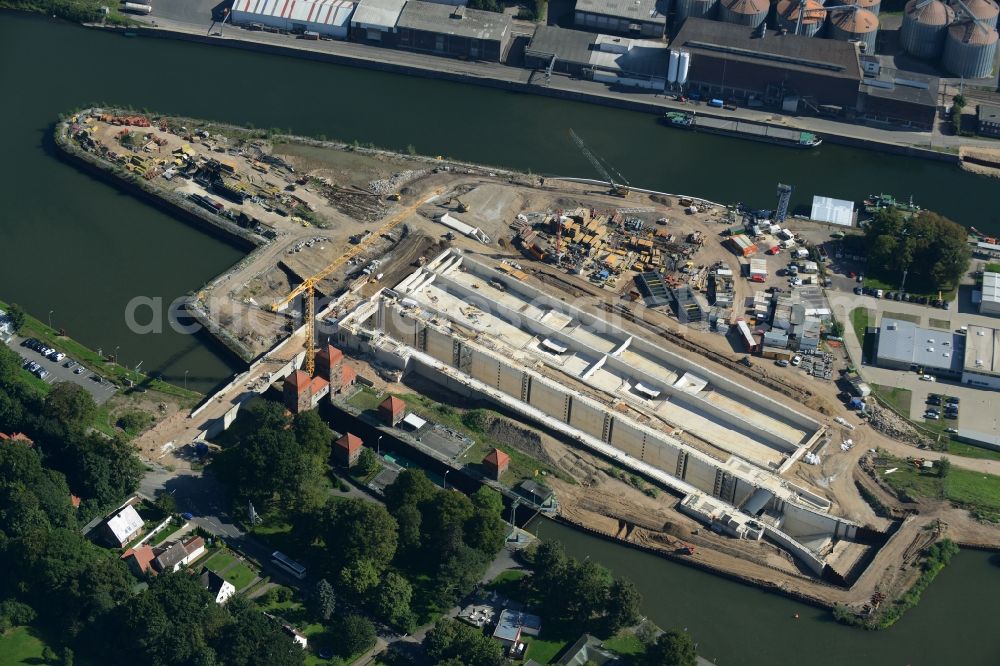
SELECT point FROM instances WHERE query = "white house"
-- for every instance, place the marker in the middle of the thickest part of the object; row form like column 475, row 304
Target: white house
column 221, row 588
column 123, row 526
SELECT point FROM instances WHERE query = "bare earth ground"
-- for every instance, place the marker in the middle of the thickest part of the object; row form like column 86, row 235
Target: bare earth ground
column 989, row 155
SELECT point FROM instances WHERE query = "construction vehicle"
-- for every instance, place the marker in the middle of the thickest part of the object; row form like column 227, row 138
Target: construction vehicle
column 619, row 189
column 395, row 196
column 462, row 206
column 308, row 287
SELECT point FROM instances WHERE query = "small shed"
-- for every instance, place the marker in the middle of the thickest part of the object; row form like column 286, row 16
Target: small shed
column 391, row 411
column 496, row 463
column 347, row 449
column 536, row 493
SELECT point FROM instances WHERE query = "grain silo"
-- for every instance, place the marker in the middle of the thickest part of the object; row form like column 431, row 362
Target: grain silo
column 813, row 15
column 744, row 12
column 925, row 24
column 969, row 50
column 696, row 8
column 982, row 10
column 854, row 24
column 874, row 6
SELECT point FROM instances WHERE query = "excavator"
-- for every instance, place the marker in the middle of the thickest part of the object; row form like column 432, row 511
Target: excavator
column 462, row 206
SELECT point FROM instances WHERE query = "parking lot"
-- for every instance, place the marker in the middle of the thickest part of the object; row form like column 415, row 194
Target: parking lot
column 57, row 371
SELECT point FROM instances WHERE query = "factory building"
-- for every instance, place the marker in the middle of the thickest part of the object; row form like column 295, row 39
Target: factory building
column 988, row 120
column 614, row 393
column 374, row 21
column 899, row 98
column 640, row 63
column 454, row 31
column 327, row 18
column 635, row 18
column 728, row 61
column 902, row 345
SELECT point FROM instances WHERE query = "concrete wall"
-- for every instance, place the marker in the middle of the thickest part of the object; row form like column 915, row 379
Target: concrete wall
column 550, row 398
column 439, row 345
column 701, row 474
column 588, row 418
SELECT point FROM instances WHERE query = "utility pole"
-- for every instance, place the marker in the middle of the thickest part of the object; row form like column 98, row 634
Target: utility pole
column 185, row 380
column 444, row 480
column 50, row 318
column 378, row 446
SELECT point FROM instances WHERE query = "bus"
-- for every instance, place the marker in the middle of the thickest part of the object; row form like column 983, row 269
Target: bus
column 288, row 565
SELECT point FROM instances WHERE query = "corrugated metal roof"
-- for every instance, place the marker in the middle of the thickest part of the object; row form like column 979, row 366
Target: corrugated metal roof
column 378, row 13
column 451, row 20
column 323, row 12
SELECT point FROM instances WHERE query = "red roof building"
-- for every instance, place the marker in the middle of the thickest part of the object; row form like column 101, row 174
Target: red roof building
column 297, row 392
column 330, row 366
column 16, row 437
column 347, row 449
column 140, row 559
column 392, row 410
column 75, row 501
column 496, row 463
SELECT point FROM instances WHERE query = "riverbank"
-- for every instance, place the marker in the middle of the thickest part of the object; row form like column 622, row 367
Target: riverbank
column 891, row 141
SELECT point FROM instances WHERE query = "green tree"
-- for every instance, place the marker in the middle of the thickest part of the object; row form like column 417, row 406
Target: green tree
column 355, row 634
column 944, row 467
column 623, row 605
column 672, row 648
column 71, row 405
column 486, row 532
column 166, row 502
column 104, row 469
column 367, row 462
column 391, row 602
column 454, row 640
column 411, row 487
column 313, row 434
column 251, row 638
column 358, row 578
column 409, row 519
column 458, row 573
column 322, row 601
column 17, row 317
column 444, row 520
column 357, row 529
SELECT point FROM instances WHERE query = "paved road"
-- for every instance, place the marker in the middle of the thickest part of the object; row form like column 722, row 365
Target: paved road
column 58, row 372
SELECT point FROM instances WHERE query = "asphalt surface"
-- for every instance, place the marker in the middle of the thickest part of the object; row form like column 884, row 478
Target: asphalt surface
column 58, row 372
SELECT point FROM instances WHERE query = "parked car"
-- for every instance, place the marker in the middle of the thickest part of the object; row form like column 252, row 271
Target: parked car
column 953, row 399
column 927, row 378
column 796, row 359
column 932, row 416
column 951, row 415
column 933, row 400
column 41, row 373
column 79, row 370
column 782, row 363
column 878, row 293
column 858, row 291
column 187, row 516
column 952, row 430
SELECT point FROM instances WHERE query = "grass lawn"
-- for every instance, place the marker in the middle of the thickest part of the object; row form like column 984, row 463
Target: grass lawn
column 239, row 575
column 543, row 651
column 625, row 643
column 902, row 316
column 975, row 491
column 899, row 398
column 365, row 399
column 909, row 481
column 21, row 646
column 943, row 324
column 219, row 561
column 859, row 322
column 39, row 386
column 164, row 534
column 971, row 451
column 294, row 612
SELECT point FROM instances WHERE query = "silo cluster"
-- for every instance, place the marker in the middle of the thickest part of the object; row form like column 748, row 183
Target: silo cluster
column 985, row 11
column 812, row 16
column 970, row 49
column 854, row 25
column 697, row 8
column 744, row 12
column 925, row 24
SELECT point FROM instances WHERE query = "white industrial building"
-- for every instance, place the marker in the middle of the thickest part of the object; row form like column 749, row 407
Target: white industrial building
column 833, row 211
column 375, row 20
column 722, row 446
column 328, row 18
column 990, row 294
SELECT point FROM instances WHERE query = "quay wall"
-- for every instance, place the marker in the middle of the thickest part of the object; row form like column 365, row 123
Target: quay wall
column 608, row 98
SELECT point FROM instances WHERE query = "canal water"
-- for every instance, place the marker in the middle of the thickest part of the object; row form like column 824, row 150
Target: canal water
column 84, row 250
column 740, row 625
column 77, row 247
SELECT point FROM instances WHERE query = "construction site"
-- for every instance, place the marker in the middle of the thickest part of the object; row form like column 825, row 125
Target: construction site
column 569, row 307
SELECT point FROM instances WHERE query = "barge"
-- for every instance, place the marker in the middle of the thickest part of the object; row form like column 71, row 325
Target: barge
column 742, row 129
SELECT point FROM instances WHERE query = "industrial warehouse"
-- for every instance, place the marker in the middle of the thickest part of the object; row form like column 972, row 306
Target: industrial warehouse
column 806, row 58
column 721, row 446
column 971, row 356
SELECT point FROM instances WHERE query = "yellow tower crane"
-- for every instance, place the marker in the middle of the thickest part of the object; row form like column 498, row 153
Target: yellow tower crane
column 308, row 286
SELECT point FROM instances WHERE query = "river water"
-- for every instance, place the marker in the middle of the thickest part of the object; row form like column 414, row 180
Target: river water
column 741, row 625
column 79, row 248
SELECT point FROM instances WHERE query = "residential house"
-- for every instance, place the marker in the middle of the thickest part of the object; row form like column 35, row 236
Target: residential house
column 512, row 625
column 220, row 588
column 16, row 437
column 123, row 526
column 585, row 651
column 139, row 560
column 179, row 554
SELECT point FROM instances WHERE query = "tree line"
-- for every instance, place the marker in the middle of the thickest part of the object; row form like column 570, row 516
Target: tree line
column 931, row 249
